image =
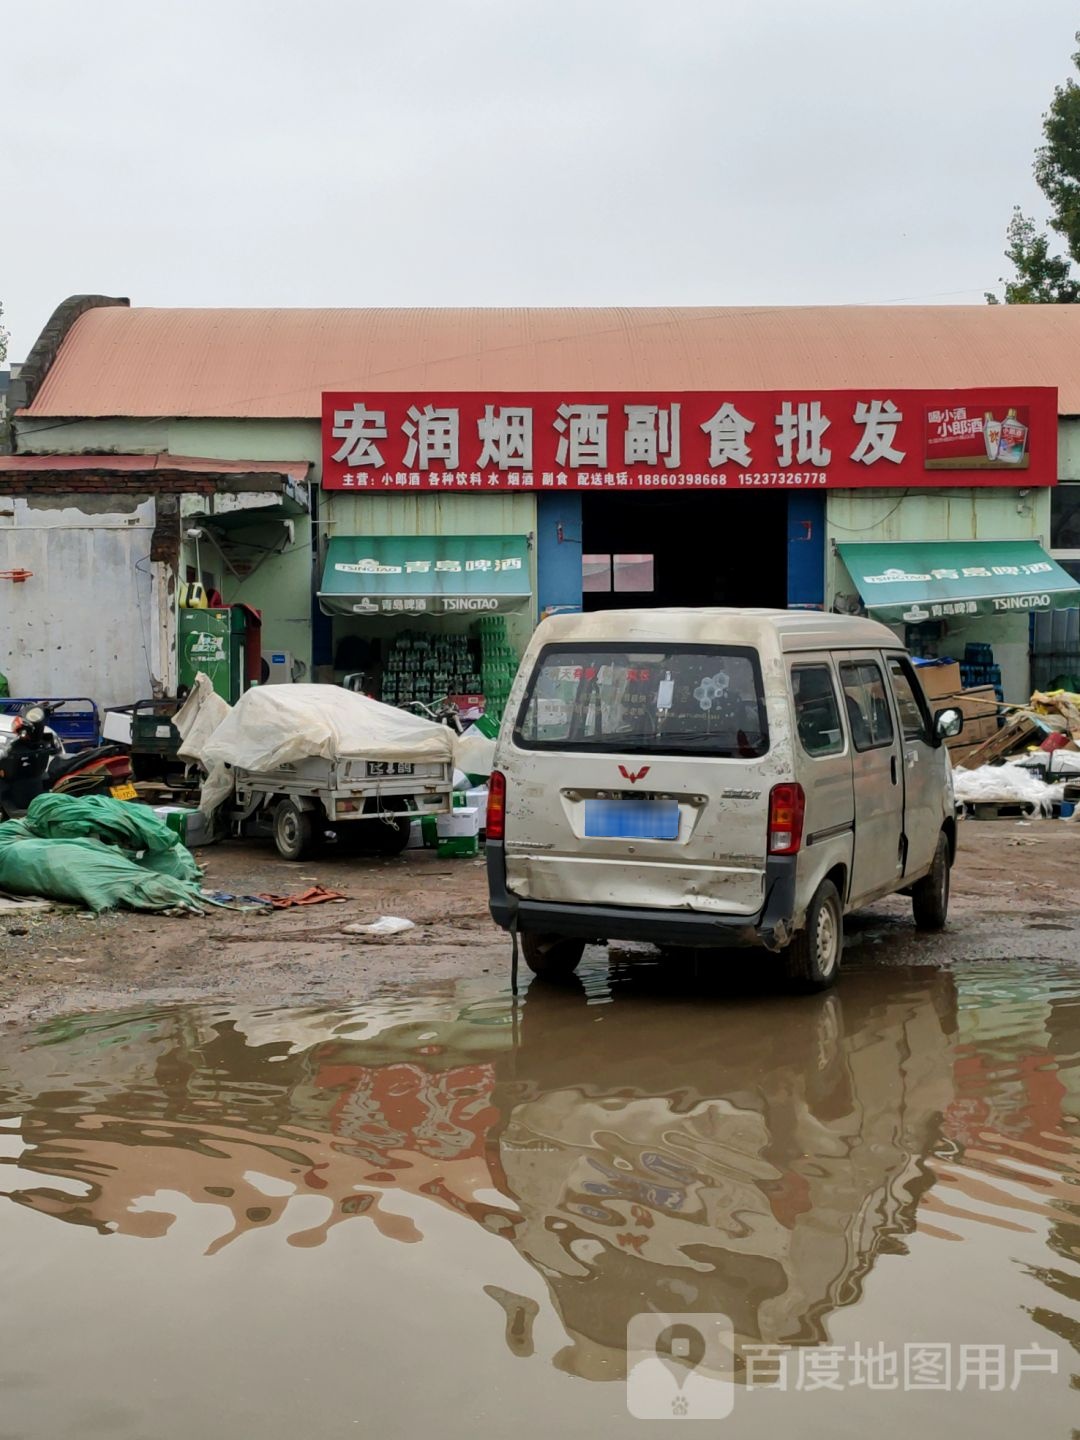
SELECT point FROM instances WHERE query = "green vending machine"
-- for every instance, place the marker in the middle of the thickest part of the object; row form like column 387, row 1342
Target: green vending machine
column 213, row 641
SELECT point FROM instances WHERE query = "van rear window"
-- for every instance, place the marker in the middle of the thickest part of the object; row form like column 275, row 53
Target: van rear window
column 670, row 700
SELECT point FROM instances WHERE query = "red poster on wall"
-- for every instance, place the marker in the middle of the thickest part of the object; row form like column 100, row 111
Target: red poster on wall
column 701, row 439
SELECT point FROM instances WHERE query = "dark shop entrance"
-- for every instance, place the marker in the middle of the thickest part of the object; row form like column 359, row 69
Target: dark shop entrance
column 684, row 548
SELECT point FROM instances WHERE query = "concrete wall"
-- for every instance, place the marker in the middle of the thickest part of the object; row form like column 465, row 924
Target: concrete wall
column 209, row 439
column 281, row 586
column 89, row 621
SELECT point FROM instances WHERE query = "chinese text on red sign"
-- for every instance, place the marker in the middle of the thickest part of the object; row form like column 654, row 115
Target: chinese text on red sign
column 689, row 440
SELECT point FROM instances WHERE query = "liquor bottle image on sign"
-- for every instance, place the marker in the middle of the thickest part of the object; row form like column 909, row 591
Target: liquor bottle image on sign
column 1013, row 441
column 992, row 435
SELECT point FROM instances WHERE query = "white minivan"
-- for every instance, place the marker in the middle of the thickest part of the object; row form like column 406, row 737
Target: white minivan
column 714, row 778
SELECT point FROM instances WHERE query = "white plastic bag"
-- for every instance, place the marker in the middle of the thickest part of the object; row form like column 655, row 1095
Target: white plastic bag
column 385, row 925
column 1003, row 785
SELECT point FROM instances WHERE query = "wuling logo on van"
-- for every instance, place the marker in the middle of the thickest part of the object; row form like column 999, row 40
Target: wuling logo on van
column 634, row 775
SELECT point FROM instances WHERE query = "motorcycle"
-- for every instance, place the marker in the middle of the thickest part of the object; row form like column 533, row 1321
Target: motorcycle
column 33, row 761
column 442, row 712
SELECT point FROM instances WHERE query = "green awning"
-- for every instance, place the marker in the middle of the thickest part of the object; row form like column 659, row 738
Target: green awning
column 425, row 574
column 942, row 579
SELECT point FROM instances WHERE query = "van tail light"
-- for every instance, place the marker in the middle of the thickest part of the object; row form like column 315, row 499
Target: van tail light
column 787, row 809
column 495, row 824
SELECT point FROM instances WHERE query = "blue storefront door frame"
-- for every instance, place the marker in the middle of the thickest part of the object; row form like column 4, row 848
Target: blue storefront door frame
column 806, row 550
column 558, row 551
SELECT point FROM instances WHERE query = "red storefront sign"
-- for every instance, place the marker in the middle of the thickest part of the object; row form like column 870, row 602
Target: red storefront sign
column 701, row 439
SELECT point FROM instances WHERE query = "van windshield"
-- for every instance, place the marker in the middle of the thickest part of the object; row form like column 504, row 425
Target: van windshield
column 671, row 699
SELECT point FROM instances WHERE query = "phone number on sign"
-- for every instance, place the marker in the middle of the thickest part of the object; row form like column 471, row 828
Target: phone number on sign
column 684, row 480
column 784, row 478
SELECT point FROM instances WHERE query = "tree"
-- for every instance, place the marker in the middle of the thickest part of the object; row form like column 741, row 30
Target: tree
column 1057, row 163
column 1040, row 276
column 3, row 337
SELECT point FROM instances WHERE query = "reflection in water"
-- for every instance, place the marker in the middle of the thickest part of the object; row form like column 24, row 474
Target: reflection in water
column 639, row 1149
column 753, row 1161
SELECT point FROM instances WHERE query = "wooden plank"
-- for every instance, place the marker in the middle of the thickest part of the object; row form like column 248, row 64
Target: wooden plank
column 1016, row 735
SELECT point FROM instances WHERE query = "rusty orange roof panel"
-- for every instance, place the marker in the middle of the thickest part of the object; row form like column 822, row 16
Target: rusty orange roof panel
column 120, row 361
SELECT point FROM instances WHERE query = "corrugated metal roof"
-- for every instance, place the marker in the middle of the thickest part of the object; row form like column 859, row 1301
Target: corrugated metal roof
column 145, row 464
column 276, row 363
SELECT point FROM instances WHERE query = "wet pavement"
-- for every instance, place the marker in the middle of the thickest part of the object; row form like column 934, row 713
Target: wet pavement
column 436, row 1211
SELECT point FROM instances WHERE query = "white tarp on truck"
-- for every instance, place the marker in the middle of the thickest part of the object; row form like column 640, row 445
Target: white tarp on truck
column 279, row 725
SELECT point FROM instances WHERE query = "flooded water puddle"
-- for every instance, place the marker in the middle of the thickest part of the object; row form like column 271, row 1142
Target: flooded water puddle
column 439, row 1213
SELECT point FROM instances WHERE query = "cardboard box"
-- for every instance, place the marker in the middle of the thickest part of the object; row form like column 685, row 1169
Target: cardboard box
column 479, row 798
column 939, row 681
column 192, row 826
column 459, row 847
column 979, row 707
column 461, row 824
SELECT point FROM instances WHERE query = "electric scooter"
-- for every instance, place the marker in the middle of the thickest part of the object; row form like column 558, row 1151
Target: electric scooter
column 33, row 761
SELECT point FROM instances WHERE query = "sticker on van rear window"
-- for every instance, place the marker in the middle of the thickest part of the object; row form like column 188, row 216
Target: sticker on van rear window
column 675, row 700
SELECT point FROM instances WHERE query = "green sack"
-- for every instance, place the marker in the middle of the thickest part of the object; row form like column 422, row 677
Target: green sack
column 99, row 852
column 99, row 817
column 134, row 828
column 87, row 872
column 177, row 862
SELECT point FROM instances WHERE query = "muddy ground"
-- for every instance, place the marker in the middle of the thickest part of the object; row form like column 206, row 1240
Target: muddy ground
column 1016, row 894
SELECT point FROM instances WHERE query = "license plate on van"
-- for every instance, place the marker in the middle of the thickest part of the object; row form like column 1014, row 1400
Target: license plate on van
column 632, row 819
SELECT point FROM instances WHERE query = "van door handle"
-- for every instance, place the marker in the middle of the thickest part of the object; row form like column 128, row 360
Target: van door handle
column 892, row 768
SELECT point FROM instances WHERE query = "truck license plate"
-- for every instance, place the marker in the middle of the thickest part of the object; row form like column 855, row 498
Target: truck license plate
column 389, row 767
column 123, row 792
column 632, row 819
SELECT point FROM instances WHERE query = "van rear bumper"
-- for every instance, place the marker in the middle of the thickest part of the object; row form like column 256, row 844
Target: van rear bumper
column 772, row 927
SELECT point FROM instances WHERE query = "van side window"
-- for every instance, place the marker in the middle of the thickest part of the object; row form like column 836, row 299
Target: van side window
column 817, row 715
column 914, row 721
column 867, row 704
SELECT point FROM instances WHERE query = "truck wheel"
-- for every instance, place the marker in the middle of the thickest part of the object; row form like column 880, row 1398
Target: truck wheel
column 295, row 831
column 382, row 836
column 812, row 960
column 930, row 895
column 551, row 957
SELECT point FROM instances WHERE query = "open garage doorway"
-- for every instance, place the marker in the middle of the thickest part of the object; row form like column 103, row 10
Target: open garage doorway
column 684, row 548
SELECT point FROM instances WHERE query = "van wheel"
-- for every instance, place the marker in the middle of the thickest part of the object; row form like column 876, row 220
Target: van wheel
column 551, row 957
column 812, row 960
column 930, row 895
column 295, row 831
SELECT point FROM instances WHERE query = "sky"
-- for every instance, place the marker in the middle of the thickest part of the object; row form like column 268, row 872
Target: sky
column 518, row 152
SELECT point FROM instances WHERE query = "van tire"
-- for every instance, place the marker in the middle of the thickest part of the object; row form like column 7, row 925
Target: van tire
column 812, row 960
column 930, row 895
column 296, row 833
column 551, row 957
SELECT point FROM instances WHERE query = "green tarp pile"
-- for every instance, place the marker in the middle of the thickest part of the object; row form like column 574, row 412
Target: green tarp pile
column 98, row 852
